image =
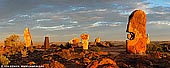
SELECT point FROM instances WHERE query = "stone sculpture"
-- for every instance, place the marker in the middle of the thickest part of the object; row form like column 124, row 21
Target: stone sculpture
column 136, row 28
column 46, row 43
column 27, row 37
column 97, row 40
column 74, row 41
column 85, row 43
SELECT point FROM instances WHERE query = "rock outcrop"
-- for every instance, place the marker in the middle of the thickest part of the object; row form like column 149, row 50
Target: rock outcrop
column 104, row 63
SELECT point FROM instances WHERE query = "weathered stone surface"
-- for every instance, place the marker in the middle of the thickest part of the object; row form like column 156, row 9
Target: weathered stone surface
column 93, row 65
column 104, row 63
column 85, row 42
column 2, row 50
column 65, row 54
column 46, row 65
column 56, row 64
column 69, row 54
column 86, row 60
column 97, row 40
column 103, row 53
column 74, row 41
column 136, row 28
column 1, row 44
column 27, row 37
column 31, row 63
column 46, row 43
column 107, row 61
column 105, row 44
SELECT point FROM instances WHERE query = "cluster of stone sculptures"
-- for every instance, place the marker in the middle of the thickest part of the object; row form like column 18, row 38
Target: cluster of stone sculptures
column 136, row 28
column 137, row 38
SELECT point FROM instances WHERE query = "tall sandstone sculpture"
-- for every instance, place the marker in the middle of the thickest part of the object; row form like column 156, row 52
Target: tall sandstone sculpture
column 85, row 42
column 27, row 37
column 46, row 43
column 136, row 28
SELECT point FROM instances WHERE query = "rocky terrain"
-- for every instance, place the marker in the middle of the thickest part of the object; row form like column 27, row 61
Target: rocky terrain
column 104, row 55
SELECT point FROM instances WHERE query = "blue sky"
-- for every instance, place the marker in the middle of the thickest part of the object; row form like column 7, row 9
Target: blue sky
column 63, row 20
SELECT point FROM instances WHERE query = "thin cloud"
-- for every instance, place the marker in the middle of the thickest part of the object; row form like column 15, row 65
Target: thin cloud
column 116, row 24
column 160, row 23
column 97, row 17
column 99, row 23
column 76, row 8
column 94, row 10
column 2, row 27
column 70, row 35
column 103, row 23
column 25, row 16
column 11, row 20
column 101, row 10
column 65, row 18
column 40, row 20
column 53, row 28
column 73, row 22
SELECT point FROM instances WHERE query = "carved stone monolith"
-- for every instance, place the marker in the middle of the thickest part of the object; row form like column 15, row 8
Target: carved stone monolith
column 46, row 43
column 136, row 28
column 27, row 37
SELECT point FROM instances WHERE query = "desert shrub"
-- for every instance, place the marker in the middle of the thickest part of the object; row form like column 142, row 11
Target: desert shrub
column 4, row 60
column 96, row 49
column 54, row 45
column 13, row 44
column 31, row 49
column 66, row 46
column 153, row 47
column 109, row 43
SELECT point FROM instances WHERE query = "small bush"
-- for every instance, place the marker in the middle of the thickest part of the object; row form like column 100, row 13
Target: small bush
column 13, row 44
column 4, row 60
column 154, row 47
column 96, row 49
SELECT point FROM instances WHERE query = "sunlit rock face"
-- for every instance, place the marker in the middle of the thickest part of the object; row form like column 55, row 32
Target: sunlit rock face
column 74, row 41
column 104, row 63
column 97, row 40
column 85, row 42
column 136, row 28
column 27, row 37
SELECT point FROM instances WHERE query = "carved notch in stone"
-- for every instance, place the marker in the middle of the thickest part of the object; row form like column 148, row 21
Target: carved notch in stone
column 136, row 28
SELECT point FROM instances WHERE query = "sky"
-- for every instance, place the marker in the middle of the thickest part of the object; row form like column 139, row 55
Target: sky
column 62, row 20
